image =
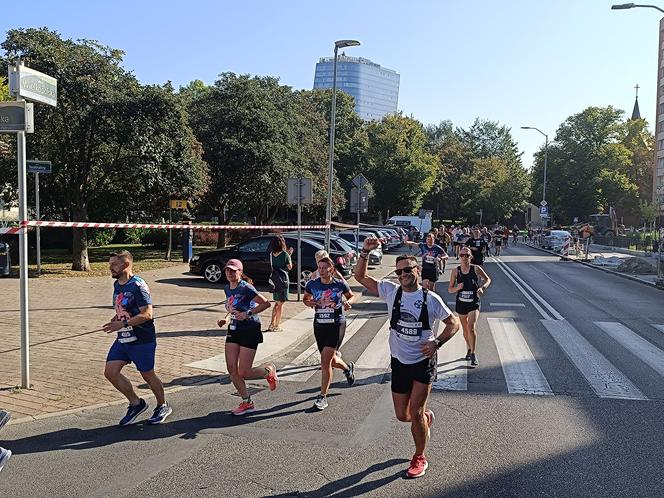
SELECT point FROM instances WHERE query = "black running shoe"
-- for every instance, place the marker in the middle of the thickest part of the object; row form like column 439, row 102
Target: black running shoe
column 473, row 360
column 160, row 414
column 350, row 374
column 468, row 355
column 4, row 418
column 133, row 412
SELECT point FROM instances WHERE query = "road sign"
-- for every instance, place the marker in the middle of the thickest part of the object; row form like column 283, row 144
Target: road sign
column 363, row 200
column 544, row 211
column 543, row 203
column 33, row 85
column 178, row 204
column 39, row 166
column 305, row 190
column 360, row 181
column 16, row 116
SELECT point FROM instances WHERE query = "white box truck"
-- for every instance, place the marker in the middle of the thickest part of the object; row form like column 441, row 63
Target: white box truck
column 423, row 225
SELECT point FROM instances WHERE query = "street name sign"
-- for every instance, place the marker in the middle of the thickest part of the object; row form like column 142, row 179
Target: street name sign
column 33, row 85
column 16, row 117
column 39, row 166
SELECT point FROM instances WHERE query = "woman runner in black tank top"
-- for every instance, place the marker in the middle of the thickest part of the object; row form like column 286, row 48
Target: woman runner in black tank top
column 465, row 282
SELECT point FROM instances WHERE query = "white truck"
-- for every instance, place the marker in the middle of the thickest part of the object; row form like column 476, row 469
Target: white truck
column 423, row 225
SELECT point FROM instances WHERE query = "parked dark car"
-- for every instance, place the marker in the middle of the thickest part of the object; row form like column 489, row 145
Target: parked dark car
column 336, row 244
column 256, row 260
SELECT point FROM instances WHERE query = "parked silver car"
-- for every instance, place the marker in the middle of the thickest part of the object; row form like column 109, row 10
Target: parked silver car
column 555, row 240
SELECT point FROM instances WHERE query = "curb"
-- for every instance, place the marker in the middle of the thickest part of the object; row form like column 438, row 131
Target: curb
column 605, row 270
column 71, row 411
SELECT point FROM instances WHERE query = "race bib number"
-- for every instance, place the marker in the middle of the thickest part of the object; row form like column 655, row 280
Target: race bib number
column 126, row 334
column 325, row 315
column 233, row 323
column 467, row 296
column 409, row 331
column 430, row 260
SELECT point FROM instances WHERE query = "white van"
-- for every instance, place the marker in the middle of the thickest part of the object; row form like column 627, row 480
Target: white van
column 423, row 225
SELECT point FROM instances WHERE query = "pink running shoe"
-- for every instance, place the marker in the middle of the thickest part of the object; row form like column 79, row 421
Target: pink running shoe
column 245, row 407
column 418, row 467
column 272, row 378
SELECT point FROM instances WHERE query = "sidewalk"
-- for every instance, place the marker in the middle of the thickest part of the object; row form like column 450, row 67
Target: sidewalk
column 68, row 350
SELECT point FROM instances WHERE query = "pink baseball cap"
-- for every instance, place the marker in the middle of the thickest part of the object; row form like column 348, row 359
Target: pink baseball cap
column 234, row 264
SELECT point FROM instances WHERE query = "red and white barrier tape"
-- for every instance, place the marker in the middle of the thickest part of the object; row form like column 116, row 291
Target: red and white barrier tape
column 80, row 224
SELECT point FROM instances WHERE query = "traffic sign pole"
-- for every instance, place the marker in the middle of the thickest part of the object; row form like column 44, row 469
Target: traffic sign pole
column 23, row 262
column 37, row 217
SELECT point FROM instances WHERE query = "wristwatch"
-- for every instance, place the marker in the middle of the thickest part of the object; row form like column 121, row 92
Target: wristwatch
column 250, row 313
column 125, row 323
column 439, row 343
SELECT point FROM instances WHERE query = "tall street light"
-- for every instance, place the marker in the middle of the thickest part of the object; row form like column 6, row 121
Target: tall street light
column 624, row 6
column 546, row 159
column 330, row 164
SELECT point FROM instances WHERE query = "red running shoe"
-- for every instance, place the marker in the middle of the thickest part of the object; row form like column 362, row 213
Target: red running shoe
column 418, row 467
column 244, row 408
column 272, row 378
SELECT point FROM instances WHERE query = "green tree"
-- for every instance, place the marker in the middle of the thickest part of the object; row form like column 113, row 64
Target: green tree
column 400, row 167
column 118, row 148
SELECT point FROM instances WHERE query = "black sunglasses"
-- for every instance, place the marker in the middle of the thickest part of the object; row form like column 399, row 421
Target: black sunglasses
column 408, row 269
column 464, row 255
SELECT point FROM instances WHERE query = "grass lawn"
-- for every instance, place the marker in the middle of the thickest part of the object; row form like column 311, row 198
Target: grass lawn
column 56, row 263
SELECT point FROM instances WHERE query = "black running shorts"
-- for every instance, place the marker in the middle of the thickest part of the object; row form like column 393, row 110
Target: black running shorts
column 249, row 337
column 329, row 335
column 429, row 274
column 403, row 374
column 464, row 308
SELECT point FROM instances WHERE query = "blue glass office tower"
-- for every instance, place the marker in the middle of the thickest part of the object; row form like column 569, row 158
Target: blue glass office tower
column 375, row 88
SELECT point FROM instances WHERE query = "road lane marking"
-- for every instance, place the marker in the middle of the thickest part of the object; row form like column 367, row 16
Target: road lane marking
column 658, row 327
column 645, row 350
column 452, row 366
column 377, row 355
column 307, row 363
column 508, row 305
column 605, row 379
column 522, row 373
column 541, row 311
column 273, row 342
column 551, row 309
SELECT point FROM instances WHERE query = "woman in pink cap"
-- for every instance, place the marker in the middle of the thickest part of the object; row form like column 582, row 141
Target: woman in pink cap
column 243, row 304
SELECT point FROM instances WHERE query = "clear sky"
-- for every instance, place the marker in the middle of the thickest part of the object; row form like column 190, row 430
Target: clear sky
column 518, row 62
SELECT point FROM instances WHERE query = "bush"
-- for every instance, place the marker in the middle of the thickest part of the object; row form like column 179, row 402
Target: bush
column 98, row 237
column 206, row 238
column 158, row 238
column 134, row 235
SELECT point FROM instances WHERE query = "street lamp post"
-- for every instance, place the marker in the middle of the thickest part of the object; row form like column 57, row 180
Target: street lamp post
column 330, row 163
column 546, row 158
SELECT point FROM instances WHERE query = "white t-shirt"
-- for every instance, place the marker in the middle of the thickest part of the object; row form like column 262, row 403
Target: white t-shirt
column 406, row 347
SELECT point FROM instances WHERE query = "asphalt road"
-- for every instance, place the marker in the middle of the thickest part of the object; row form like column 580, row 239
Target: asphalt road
column 566, row 401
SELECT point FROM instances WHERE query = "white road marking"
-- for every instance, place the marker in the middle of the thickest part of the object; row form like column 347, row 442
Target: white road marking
column 658, row 327
column 377, row 354
column 307, row 363
column 522, row 373
column 605, row 379
column 508, row 305
column 645, row 350
column 452, row 366
column 541, row 311
column 506, row 269
column 273, row 342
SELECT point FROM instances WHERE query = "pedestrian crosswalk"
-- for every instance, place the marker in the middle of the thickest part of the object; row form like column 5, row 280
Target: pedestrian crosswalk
column 520, row 369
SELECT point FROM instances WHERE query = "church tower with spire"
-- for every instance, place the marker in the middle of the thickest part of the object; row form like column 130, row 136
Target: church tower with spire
column 636, row 114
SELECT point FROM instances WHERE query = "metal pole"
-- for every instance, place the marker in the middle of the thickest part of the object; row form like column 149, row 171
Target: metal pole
column 357, row 238
column 23, row 261
column 481, row 212
column 38, row 218
column 330, row 160
column 299, row 237
column 170, row 232
column 546, row 160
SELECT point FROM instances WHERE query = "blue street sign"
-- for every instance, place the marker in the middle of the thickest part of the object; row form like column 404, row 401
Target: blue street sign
column 544, row 210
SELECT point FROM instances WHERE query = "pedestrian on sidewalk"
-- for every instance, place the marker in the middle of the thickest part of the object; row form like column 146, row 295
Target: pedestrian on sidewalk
column 280, row 260
column 464, row 281
column 243, row 304
column 5, row 454
column 413, row 346
column 325, row 294
column 136, row 339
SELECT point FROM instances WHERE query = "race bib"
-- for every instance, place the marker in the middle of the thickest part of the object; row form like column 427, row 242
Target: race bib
column 467, row 296
column 233, row 323
column 430, row 260
column 325, row 315
column 409, row 331
column 126, row 334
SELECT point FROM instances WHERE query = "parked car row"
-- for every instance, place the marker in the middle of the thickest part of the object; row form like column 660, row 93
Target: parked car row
column 256, row 260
